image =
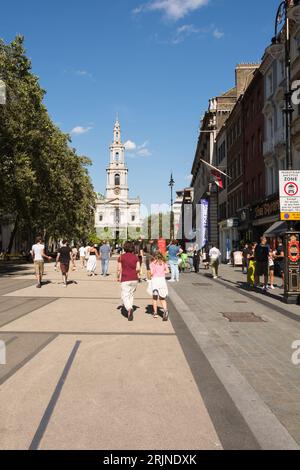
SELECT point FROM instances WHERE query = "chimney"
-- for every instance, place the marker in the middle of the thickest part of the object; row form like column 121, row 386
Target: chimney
column 243, row 76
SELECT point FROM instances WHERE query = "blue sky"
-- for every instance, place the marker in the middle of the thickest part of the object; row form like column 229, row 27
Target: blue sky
column 155, row 63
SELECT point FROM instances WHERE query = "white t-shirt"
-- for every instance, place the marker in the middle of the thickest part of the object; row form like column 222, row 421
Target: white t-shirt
column 214, row 254
column 82, row 252
column 38, row 250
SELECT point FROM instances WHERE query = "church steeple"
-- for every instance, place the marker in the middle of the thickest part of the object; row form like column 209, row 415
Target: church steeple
column 117, row 171
column 117, row 132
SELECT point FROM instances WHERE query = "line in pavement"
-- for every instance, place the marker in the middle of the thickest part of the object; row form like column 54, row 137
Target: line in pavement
column 44, row 301
column 53, row 401
column 243, row 406
column 86, row 333
column 27, row 359
column 232, row 429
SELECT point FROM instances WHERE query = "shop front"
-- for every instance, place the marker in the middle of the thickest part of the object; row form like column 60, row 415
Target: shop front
column 265, row 215
column 228, row 238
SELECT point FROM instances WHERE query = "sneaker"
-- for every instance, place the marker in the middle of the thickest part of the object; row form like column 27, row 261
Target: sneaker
column 272, row 287
column 39, row 286
column 166, row 316
column 171, row 280
column 130, row 315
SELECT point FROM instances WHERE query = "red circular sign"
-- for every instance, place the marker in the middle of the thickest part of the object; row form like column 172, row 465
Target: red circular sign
column 291, row 189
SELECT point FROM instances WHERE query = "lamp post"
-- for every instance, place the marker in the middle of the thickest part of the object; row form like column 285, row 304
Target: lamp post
column 171, row 185
column 288, row 10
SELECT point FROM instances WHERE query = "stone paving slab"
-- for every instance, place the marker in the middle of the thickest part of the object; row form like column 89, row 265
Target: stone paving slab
column 261, row 352
column 138, row 399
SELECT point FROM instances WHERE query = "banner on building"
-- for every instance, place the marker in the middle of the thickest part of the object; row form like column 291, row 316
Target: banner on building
column 204, row 222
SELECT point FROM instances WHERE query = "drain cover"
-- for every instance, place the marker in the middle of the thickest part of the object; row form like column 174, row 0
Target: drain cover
column 242, row 317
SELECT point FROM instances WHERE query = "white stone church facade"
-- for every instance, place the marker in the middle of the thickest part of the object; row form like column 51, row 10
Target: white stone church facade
column 117, row 216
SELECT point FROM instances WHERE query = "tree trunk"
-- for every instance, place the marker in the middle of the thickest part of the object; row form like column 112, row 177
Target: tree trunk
column 13, row 235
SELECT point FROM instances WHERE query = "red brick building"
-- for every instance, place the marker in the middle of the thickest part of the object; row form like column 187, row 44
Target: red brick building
column 252, row 158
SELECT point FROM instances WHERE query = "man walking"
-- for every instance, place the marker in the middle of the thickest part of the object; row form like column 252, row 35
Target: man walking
column 105, row 254
column 82, row 256
column 64, row 256
column 174, row 252
column 262, row 254
column 38, row 255
column 215, row 255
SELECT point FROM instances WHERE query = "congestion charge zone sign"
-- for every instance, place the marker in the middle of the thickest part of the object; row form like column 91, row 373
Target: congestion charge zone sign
column 290, row 194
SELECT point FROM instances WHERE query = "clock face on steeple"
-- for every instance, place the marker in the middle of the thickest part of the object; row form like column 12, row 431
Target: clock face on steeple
column 117, row 191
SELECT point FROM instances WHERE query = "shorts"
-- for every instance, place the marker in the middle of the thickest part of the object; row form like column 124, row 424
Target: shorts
column 39, row 268
column 272, row 268
column 64, row 267
column 156, row 296
column 262, row 268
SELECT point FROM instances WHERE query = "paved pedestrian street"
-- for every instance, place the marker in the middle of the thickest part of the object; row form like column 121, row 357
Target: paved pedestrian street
column 80, row 376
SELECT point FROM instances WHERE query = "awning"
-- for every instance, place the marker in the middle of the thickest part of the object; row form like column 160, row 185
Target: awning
column 276, row 229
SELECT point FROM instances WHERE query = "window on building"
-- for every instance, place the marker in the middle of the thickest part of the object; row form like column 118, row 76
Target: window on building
column 270, row 84
column 132, row 218
column 117, row 180
column 117, row 156
column 117, row 216
column 100, row 217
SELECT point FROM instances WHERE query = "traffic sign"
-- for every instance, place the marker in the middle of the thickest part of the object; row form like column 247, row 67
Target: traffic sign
column 290, row 195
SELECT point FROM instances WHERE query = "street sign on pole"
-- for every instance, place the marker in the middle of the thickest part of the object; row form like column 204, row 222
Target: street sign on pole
column 2, row 92
column 290, row 195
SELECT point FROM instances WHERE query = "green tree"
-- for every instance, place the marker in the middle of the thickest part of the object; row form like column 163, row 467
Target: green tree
column 45, row 185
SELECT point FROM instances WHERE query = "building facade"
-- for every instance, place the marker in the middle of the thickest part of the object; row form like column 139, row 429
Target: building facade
column 117, row 216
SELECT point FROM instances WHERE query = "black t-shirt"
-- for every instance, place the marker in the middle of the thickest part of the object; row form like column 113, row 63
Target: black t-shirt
column 262, row 253
column 64, row 252
column 280, row 249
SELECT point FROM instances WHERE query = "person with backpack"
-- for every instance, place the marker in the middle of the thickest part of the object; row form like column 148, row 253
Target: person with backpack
column 262, row 255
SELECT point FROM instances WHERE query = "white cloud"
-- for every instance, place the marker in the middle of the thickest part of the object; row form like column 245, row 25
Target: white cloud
column 84, row 73
column 79, row 130
column 137, row 150
column 183, row 32
column 218, row 34
column 129, row 145
column 144, row 152
column 172, row 9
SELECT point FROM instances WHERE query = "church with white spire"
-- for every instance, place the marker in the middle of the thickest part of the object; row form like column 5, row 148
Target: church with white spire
column 117, row 216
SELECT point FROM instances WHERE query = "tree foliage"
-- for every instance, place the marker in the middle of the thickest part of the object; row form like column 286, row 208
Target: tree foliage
column 45, row 186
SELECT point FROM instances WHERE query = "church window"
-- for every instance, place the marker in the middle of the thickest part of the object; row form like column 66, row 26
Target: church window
column 117, row 216
column 100, row 217
column 117, row 180
column 132, row 218
column 117, row 156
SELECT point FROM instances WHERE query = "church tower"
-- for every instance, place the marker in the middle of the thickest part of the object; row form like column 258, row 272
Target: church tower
column 117, row 172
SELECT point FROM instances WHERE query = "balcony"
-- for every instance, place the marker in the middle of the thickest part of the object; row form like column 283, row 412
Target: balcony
column 268, row 147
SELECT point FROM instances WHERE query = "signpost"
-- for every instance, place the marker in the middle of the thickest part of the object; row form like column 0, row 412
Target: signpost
column 290, row 195
column 290, row 211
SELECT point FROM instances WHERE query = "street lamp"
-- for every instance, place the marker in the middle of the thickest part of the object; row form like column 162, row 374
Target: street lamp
column 281, row 44
column 171, row 185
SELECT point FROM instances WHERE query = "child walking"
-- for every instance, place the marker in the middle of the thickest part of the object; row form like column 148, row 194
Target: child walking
column 159, row 269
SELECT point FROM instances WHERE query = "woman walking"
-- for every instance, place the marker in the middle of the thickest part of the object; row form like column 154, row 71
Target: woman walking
column 92, row 260
column 128, row 276
column 159, row 269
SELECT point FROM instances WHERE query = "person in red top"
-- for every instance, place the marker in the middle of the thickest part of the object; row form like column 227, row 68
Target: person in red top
column 128, row 275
